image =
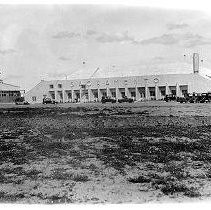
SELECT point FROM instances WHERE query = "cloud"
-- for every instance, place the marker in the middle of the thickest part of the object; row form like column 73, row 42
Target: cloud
column 66, row 34
column 158, row 58
column 165, row 39
column 9, row 38
column 186, row 39
column 91, row 32
column 63, row 58
column 71, row 35
column 14, row 76
column 171, row 26
column 8, row 51
column 109, row 38
column 192, row 40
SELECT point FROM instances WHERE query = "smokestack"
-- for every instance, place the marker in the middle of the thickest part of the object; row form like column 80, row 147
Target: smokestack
column 195, row 63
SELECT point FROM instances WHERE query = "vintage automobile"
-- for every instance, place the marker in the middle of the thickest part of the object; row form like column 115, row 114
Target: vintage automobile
column 107, row 99
column 182, row 100
column 195, row 98
column 125, row 99
column 21, row 101
column 170, row 97
column 203, row 97
column 49, row 101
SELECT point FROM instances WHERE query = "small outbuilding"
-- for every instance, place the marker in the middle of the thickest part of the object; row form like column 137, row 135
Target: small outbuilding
column 9, row 93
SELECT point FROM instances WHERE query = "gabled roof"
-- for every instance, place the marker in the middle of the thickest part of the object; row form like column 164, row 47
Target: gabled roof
column 8, row 87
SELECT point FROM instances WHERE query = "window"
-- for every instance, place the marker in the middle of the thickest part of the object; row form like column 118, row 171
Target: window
column 152, row 93
column 163, row 92
column 123, row 94
column 77, row 95
column 51, row 86
column 173, row 92
column 184, row 92
column 113, row 94
column 59, row 85
column 69, row 95
column 133, row 94
column 34, row 98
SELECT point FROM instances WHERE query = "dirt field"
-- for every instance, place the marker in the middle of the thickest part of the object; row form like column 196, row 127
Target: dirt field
column 113, row 153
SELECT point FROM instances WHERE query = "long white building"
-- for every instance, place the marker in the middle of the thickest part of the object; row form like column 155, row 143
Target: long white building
column 147, row 87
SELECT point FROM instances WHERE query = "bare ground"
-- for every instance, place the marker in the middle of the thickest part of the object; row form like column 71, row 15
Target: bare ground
column 94, row 153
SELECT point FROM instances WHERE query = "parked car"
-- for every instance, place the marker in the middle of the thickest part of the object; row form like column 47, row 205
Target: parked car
column 205, row 98
column 49, row 101
column 182, row 99
column 108, row 99
column 140, row 100
column 21, row 101
column 126, row 99
column 170, row 97
column 195, row 98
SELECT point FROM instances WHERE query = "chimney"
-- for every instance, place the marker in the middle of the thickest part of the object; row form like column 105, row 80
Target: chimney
column 1, row 81
column 195, row 63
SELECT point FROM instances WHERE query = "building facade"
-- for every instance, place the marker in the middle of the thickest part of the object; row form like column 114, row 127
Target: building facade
column 151, row 87
column 9, row 93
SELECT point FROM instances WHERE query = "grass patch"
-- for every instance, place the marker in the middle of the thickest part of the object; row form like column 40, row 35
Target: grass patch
column 80, row 178
column 177, row 187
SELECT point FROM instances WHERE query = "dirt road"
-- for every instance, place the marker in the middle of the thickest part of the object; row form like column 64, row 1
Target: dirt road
column 113, row 153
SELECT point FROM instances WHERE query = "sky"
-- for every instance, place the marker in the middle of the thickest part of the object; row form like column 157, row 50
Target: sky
column 72, row 41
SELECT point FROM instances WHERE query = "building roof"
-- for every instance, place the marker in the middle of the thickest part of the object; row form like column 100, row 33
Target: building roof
column 134, row 70
column 8, row 87
column 138, row 70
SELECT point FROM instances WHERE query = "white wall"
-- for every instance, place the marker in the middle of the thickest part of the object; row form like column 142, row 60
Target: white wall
column 195, row 82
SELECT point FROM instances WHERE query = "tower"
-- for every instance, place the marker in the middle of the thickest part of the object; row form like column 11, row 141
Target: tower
column 195, row 63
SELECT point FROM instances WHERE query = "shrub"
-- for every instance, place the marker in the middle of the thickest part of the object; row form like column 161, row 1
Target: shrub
column 173, row 187
column 178, row 187
column 192, row 192
column 80, row 178
column 140, row 179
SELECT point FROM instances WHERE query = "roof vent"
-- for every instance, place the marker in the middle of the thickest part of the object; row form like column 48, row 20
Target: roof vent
column 1, row 81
